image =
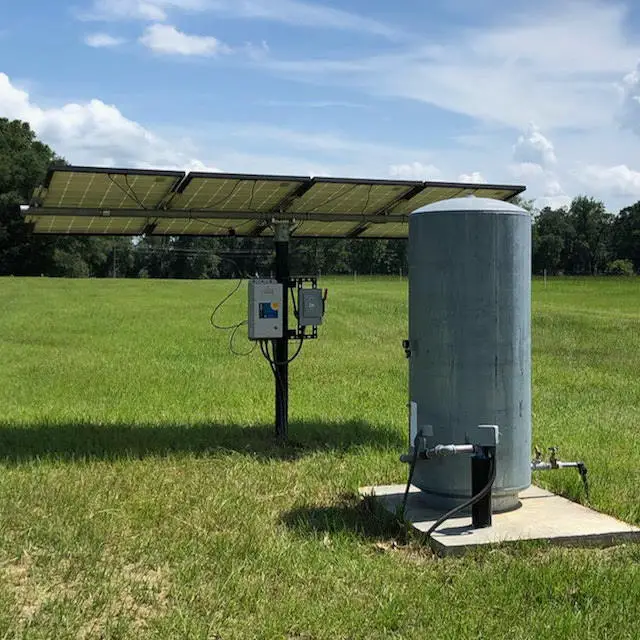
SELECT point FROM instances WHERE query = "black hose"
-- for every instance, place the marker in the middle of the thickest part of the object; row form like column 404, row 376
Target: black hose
column 468, row 503
column 412, row 468
column 582, row 470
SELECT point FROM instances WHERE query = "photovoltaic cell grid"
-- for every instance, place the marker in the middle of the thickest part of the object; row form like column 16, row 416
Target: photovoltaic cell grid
column 233, row 193
column 388, row 230
column 436, row 193
column 333, row 196
column 319, row 229
column 88, row 225
column 105, row 190
column 86, row 200
column 202, row 226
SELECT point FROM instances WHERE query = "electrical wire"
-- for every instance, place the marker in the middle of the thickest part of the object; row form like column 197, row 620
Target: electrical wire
column 219, row 306
column 412, row 468
column 253, row 188
column 130, row 193
column 227, row 230
column 264, row 348
column 224, row 199
column 329, row 200
column 468, row 503
column 366, row 204
column 273, row 363
column 133, row 193
column 233, row 333
column 297, row 353
column 289, row 360
column 293, row 299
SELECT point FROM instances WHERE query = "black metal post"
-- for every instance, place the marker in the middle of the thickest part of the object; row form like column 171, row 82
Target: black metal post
column 281, row 345
column 480, row 474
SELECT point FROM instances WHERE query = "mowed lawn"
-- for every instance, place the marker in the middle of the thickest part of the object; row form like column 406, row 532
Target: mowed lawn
column 142, row 494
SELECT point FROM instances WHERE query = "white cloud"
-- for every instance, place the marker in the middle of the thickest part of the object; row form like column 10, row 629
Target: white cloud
column 293, row 12
column 526, row 170
column 185, row 165
column 533, row 148
column 619, row 180
column 475, row 178
column 96, row 133
column 163, row 38
column 100, row 40
column 149, row 10
column 629, row 116
column 333, row 143
column 93, row 132
column 536, row 163
column 313, row 104
column 414, row 171
column 556, row 65
column 553, row 202
column 554, row 195
column 124, row 9
column 308, row 14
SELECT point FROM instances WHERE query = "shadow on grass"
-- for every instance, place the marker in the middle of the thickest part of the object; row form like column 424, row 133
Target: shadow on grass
column 354, row 516
column 72, row 441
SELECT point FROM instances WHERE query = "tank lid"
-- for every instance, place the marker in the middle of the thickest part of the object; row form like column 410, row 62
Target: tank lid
column 469, row 204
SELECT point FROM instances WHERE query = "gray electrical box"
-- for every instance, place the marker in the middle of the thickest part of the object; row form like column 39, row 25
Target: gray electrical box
column 310, row 307
column 265, row 309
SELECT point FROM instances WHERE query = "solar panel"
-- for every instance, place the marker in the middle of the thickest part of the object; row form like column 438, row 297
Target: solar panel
column 320, row 229
column 328, row 195
column 230, row 192
column 201, row 226
column 104, row 201
column 87, row 225
column 88, row 188
column 389, row 230
column 435, row 192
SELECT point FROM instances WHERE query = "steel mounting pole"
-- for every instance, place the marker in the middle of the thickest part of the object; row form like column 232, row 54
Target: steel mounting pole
column 281, row 345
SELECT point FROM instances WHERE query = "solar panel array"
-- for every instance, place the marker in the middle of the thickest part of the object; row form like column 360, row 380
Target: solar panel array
column 101, row 201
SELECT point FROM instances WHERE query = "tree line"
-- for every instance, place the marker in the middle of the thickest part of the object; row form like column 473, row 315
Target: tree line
column 582, row 239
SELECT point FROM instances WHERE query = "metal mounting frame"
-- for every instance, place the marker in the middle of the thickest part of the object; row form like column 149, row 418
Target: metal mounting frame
column 295, row 284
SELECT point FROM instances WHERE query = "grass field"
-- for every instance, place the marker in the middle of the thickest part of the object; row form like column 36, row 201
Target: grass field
column 142, row 494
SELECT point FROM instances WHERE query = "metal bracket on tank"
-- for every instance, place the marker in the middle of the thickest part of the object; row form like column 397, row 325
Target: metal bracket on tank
column 484, row 435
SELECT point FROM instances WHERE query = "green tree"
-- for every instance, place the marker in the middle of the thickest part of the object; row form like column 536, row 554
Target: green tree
column 553, row 235
column 368, row 256
column 589, row 250
column 625, row 235
column 24, row 161
column 23, row 164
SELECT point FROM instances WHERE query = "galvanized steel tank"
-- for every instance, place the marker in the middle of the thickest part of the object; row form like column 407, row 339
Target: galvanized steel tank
column 470, row 340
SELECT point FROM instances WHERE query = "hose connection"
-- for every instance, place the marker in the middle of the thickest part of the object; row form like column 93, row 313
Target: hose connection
column 483, row 471
column 539, row 464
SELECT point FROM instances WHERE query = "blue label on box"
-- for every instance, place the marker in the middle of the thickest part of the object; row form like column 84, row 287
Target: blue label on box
column 269, row 310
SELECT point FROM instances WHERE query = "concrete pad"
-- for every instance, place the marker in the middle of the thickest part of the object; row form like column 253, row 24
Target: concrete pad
column 542, row 516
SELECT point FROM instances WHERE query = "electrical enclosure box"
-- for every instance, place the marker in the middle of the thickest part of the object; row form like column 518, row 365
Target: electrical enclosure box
column 310, row 307
column 265, row 310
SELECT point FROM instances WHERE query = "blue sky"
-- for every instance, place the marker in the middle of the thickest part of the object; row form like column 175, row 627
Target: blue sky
column 542, row 93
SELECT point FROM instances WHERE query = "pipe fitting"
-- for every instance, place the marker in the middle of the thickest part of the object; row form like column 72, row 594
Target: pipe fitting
column 441, row 451
column 538, row 464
